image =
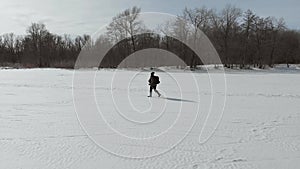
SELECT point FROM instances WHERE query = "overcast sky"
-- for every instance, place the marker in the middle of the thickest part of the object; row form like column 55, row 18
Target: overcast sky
column 77, row 17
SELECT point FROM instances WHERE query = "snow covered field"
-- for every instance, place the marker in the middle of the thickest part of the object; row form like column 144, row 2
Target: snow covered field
column 260, row 127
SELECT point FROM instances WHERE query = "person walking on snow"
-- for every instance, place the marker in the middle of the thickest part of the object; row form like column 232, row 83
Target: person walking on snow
column 153, row 82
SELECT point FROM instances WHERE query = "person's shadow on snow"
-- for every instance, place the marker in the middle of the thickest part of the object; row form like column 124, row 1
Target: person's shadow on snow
column 179, row 100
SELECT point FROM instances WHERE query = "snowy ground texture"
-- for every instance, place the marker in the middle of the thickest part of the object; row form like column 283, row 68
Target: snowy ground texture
column 260, row 128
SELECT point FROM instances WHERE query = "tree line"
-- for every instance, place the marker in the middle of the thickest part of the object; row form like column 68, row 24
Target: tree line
column 241, row 38
column 40, row 48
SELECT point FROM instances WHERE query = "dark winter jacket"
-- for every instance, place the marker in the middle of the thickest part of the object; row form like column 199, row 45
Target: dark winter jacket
column 154, row 80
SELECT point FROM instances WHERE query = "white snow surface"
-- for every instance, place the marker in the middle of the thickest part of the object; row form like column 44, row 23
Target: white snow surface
column 39, row 127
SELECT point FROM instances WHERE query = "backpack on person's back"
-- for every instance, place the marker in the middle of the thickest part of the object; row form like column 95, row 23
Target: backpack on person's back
column 156, row 80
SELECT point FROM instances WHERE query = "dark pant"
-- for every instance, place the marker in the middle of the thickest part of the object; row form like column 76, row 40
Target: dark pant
column 152, row 87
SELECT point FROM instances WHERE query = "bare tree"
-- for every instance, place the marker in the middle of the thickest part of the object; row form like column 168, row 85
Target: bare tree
column 125, row 24
column 276, row 26
column 247, row 36
column 37, row 31
column 289, row 46
column 8, row 40
column 227, row 23
column 199, row 19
